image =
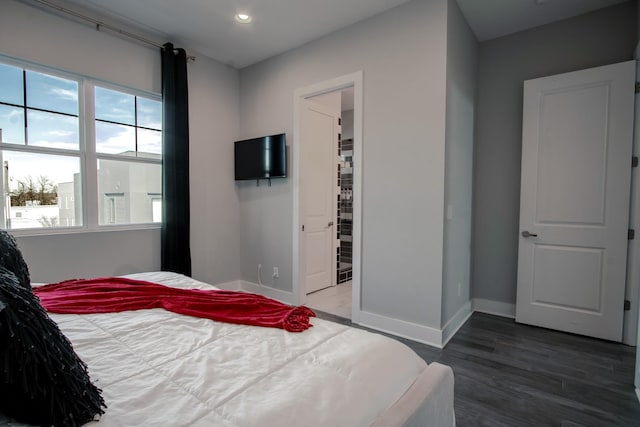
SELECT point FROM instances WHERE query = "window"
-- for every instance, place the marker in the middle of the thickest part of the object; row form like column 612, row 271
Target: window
column 156, row 209
column 127, row 126
column 56, row 131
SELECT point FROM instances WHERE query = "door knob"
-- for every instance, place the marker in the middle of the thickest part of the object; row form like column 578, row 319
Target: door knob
column 329, row 224
column 525, row 233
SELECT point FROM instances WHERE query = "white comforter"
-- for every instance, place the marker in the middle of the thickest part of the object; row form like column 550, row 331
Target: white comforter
column 160, row 368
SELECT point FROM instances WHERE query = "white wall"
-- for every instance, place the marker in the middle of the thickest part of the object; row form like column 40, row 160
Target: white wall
column 462, row 65
column 82, row 255
column 347, row 124
column 213, row 126
column 598, row 38
column 32, row 34
column 403, row 55
column 331, row 100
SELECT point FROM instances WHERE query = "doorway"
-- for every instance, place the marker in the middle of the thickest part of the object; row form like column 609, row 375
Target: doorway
column 334, row 295
column 346, row 204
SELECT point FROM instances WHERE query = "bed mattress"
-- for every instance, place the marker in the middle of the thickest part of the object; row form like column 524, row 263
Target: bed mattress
column 160, row 368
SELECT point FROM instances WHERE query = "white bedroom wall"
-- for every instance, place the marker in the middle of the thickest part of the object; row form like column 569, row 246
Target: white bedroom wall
column 81, row 255
column 29, row 33
column 462, row 65
column 347, row 124
column 332, row 100
column 213, row 126
column 403, row 57
column 32, row 34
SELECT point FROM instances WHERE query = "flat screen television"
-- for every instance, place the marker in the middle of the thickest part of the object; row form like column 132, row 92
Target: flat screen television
column 261, row 158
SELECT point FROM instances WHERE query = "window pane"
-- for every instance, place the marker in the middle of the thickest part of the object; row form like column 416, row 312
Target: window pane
column 52, row 93
column 115, row 106
column 52, row 130
column 115, row 139
column 11, row 89
column 12, row 124
column 149, row 113
column 44, row 191
column 156, row 210
column 149, row 143
column 127, row 190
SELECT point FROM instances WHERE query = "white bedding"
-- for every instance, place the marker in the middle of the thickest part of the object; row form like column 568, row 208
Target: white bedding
column 160, row 368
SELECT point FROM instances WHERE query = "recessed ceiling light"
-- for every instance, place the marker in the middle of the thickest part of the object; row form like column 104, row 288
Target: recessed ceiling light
column 243, row 18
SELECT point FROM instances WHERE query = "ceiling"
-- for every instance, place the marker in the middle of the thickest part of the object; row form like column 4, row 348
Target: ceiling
column 495, row 18
column 208, row 26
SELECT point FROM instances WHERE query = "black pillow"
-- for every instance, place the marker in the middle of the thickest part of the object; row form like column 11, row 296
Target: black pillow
column 42, row 380
column 11, row 259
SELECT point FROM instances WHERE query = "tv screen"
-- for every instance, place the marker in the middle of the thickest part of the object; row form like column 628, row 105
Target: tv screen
column 264, row 157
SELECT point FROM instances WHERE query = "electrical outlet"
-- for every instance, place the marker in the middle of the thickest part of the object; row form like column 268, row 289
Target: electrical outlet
column 276, row 273
column 259, row 266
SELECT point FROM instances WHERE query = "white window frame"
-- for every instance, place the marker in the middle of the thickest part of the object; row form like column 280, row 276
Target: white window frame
column 86, row 153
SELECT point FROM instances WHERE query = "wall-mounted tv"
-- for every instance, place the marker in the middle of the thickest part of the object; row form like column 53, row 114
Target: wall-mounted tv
column 261, row 158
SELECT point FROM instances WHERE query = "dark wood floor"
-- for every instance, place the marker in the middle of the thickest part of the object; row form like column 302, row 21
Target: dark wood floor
column 508, row 374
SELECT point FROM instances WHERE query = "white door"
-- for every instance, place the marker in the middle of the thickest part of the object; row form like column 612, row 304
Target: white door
column 319, row 128
column 574, row 200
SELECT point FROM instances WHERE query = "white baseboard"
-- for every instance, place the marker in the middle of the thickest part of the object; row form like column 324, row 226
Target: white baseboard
column 234, row 285
column 456, row 322
column 401, row 328
column 432, row 336
column 494, row 307
column 277, row 294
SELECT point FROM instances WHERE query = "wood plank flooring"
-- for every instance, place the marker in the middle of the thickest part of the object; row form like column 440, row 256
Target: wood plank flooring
column 508, row 374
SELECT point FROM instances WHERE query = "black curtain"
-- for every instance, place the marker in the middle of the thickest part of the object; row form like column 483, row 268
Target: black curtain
column 175, row 252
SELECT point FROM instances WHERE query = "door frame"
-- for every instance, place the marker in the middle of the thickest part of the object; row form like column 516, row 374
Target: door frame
column 354, row 80
column 631, row 321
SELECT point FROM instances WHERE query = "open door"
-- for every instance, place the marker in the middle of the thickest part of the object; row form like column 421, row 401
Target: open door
column 319, row 129
column 574, row 202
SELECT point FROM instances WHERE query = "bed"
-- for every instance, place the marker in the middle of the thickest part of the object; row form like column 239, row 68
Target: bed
column 160, row 368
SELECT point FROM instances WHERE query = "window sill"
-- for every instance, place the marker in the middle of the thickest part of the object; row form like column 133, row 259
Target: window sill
column 32, row 232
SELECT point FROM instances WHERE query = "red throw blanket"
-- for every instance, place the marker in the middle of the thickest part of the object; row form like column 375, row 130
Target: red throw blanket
column 115, row 294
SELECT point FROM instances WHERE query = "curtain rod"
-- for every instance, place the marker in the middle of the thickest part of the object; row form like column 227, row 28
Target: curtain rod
column 100, row 25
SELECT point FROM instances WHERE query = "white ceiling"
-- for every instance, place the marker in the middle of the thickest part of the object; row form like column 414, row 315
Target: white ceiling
column 208, row 26
column 495, row 18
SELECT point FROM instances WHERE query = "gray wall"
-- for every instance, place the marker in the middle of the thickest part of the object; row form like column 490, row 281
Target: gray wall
column 82, row 255
column 347, row 124
column 213, row 126
column 598, row 38
column 403, row 155
column 462, row 65
column 637, row 20
column 637, row 375
column 32, row 34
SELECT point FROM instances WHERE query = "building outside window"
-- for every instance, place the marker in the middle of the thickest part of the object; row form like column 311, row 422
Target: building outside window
column 76, row 153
